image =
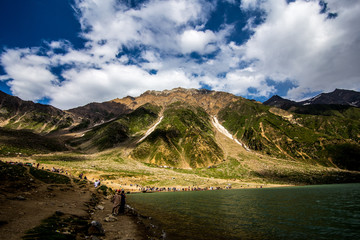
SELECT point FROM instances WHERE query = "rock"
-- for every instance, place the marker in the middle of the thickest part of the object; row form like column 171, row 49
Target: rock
column 110, row 218
column 99, row 207
column 20, row 198
column 96, row 228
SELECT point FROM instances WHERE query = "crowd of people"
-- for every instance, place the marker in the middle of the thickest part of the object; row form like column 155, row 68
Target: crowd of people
column 177, row 189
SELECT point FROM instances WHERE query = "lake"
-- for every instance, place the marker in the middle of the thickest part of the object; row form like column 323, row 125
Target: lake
column 309, row 212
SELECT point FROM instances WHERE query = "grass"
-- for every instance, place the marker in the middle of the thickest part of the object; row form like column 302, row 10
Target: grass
column 59, row 227
column 23, row 142
column 49, row 177
column 61, row 158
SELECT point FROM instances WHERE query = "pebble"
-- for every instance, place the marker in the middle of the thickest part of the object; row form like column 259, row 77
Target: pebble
column 99, row 207
column 21, row 198
column 110, row 218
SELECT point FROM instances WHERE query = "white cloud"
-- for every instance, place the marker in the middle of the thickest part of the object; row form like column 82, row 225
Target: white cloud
column 296, row 42
column 239, row 81
column 32, row 79
column 197, row 41
column 156, row 23
column 250, row 4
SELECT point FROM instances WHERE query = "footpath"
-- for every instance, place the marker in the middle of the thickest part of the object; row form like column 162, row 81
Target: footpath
column 37, row 204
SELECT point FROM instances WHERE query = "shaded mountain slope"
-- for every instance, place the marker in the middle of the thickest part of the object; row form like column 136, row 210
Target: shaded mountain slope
column 279, row 102
column 18, row 114
column 126, row 127
column 99, row 112
column 25, row 143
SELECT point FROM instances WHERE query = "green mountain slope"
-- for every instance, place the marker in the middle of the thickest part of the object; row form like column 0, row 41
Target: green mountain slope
column 312, row 138
column 184, row 138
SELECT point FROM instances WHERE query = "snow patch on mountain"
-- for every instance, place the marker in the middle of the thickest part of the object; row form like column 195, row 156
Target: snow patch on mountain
column 148, row 132
column 223, row 130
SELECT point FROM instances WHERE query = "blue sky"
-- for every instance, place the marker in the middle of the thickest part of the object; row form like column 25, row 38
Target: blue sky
column 68, row 53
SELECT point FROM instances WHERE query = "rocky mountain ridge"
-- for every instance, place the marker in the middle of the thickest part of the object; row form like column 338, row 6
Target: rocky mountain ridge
column 337, row 97
column 211, row 101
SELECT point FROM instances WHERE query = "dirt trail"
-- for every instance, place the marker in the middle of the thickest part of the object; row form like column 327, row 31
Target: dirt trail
column 21, row 211
column 117, row 227
column 25, row 210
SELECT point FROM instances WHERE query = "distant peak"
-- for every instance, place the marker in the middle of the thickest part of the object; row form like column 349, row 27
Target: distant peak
column 177, row 90
column 276, row 97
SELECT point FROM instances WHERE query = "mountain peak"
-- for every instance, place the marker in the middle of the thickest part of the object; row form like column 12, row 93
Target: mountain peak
column 338, row 96
column 279, row 102
column 207, row 99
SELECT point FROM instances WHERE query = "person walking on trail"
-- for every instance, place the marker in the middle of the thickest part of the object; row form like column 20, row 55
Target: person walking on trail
column 97, row 183
column 116, row 200
column 122, row 203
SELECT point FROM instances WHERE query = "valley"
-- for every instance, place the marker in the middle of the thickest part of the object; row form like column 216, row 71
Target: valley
column 188, row 138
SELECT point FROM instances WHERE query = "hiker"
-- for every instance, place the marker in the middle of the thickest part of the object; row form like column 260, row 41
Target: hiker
column 122, row 203
column 97, row 183
column 116, row 200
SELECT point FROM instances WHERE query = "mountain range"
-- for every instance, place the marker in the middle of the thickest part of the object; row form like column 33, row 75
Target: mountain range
column 181, row 128
column 337, row 97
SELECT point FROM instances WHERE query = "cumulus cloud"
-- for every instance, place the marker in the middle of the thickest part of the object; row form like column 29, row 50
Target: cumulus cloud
column 30, row 71
column 299, row 43
column 197, row 41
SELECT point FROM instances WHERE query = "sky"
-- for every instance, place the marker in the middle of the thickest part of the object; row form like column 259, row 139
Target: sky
column 68, row 53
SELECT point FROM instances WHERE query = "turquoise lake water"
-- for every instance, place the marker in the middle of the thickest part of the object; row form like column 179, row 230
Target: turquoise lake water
column 310, row 212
